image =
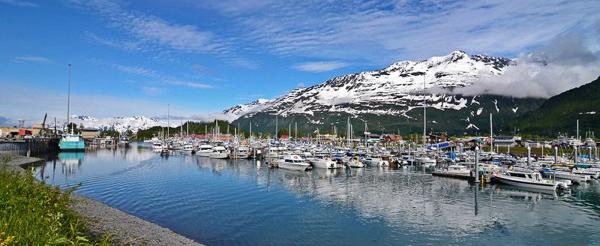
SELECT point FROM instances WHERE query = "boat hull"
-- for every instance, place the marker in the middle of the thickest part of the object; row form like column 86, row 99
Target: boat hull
column 452, row 175
column 219, row 155
column 528, row 185
column 71, row 145
column 295, row 167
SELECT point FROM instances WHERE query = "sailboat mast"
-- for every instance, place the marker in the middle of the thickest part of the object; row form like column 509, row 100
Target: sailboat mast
column 491, row 134
column 69, row 98
column 424, row 111
column 168, row 119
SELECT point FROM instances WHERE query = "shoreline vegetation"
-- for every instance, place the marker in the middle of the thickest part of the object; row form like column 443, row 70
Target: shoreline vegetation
column 34, row 213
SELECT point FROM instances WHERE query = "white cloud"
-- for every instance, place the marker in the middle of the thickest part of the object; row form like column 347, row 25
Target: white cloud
column 321, row 66
column 160, row 77
column 34, row 59
column 19, row 3
column 153, row 34
column 564, row 64
column 380, row 32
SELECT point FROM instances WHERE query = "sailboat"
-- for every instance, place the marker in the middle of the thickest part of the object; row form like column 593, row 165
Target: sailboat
column 70, row 141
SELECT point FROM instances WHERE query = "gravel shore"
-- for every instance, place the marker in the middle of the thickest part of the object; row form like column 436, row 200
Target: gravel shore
column 122, row 227
column 101, row 219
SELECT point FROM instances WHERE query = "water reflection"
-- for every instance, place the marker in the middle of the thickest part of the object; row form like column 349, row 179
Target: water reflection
column 196, row 195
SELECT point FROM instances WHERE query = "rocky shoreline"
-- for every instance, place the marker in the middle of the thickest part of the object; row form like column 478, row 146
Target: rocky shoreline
column 101, row 219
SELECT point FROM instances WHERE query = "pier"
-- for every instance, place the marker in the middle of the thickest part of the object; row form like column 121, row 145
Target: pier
column 28, row 146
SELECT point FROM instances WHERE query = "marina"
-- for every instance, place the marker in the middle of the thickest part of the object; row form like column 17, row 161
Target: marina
column 243, row 201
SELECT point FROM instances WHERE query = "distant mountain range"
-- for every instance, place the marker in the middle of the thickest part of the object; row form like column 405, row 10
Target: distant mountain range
column 120, row 124
column 391, row 99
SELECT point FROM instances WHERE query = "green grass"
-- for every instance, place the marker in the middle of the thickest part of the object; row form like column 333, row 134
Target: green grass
column 33, row 213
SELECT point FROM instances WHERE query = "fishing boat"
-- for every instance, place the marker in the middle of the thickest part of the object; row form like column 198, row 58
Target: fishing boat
column 71, row 142
column 531, row 180
column 454, row 171
column 293, row 162
column 219, row 152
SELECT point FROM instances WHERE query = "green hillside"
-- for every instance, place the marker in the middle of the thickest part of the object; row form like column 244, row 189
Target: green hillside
column 452, row 121
column 560, row 113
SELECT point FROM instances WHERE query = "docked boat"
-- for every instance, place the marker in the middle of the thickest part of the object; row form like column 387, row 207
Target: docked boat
column 454, row 171
column 293, row 162
column 577, row 178
column 157, row 146
column 353, row 162
column 219, row 152
column 123, row 142
column 425, row 161
column 241, row 152
column 531, row 180
column 71, row 142
column 375, row 162
column 204, row 150
column 189, row 148
column 324, row 163
column 592, row 172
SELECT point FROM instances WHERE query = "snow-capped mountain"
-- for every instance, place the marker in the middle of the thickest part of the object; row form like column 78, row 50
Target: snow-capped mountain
column 120, row 124
column 235, row 112
column 400, row 84
column 393, row 91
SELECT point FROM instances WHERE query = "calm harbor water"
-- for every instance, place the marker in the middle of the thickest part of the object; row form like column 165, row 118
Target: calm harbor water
column 226, row 202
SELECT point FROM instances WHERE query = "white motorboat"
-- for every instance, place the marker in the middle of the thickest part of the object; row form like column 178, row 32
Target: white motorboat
column 157, row 146
column 592, row 172
column 354, row 162
column 531, row 180
column 293, row 162
column 219, row 152
column 577, row 178
column 204, row 150
column 324, row 163
column 375, row 162
column 189, row 148
column 241, row 152
column 454, row 171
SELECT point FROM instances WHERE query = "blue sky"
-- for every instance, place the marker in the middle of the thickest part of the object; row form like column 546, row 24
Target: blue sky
column 135, row 57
